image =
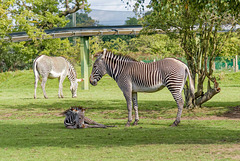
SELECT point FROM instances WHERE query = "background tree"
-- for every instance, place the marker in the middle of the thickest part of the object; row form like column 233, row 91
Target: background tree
column 131, row 21
column 196, row 24
column 82, row 19
column 33, row 17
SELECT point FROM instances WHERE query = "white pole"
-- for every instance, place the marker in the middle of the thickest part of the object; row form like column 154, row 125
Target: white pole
column 236, row 64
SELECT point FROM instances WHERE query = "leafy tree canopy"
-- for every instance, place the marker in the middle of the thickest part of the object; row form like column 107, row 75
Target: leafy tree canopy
column 195, row 24
column 82, row 19
column 131, row 21
column 33, row 17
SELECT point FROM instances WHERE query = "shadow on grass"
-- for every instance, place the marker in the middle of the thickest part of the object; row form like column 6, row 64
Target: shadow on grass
column 162, row 107
column 98, row 104
column 55, row 135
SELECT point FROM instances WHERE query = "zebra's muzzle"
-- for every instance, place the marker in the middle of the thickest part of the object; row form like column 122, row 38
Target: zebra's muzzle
column 93, row 81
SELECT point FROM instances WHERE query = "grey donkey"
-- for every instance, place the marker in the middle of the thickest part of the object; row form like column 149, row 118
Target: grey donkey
column 133, row 76
column 55, row 67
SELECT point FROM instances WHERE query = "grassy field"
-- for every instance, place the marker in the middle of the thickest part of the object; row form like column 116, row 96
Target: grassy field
column 32, row 129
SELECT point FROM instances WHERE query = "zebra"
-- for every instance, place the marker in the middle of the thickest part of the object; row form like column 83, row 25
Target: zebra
column 75, row 119
column 54, row 67
column 133, row 76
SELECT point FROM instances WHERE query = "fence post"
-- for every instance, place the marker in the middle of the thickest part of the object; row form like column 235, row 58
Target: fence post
column 84, row 50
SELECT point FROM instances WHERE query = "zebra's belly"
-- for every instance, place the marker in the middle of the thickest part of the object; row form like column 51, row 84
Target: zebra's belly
column 154, row 88
column 53, row 74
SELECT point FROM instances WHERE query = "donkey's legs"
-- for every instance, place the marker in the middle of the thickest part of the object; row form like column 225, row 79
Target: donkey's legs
column 44, row 80
column 35, row 87
column 135, row 107
column 128, row 97
column 60, row 92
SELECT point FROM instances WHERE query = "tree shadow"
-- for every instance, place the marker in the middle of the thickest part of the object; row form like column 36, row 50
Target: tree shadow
column 97, row 104
column 234, row 112
column 56, row 135
column 162, row 107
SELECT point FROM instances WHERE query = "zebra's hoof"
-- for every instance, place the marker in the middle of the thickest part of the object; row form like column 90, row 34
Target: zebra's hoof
column 135, row 123
column 127, row 124
column 175, row 123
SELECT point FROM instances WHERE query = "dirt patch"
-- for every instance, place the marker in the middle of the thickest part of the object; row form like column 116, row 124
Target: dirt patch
column 228, row 152
column 234, row 112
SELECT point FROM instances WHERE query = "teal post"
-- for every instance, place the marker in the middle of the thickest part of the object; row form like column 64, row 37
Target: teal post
column 84, row 49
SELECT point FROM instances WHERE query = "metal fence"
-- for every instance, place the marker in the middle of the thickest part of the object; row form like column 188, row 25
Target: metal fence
column 220, row 63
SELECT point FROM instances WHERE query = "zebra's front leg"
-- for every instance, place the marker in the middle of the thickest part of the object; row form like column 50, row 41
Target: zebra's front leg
column 135, row 107
column 180, row 104
column 60, row 92
column 128, row 97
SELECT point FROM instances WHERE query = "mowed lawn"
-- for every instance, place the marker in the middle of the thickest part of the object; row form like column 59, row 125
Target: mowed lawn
column 33, row 129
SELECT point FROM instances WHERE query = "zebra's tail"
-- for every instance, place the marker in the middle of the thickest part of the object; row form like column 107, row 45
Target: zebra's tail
column 192, row 89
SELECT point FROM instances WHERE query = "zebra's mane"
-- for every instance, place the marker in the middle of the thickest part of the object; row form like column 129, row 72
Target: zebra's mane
column 111, row 55
column 71, row 67
column 72, row 109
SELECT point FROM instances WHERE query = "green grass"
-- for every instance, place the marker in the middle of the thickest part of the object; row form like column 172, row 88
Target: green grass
column 32, row 129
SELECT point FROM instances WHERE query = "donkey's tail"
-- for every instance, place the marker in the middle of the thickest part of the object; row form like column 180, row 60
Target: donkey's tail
column 35, row 71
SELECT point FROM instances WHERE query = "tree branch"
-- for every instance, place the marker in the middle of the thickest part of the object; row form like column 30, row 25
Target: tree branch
column 77, row 7
column 208, row 95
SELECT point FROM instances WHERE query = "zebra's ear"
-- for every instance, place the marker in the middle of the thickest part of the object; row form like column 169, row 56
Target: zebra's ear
column 104, row 52
column 80, row 80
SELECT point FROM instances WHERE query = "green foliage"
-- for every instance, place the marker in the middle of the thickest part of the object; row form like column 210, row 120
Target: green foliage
column 131, row 21
column 33, row 17
column 21, row 55
column 82, row 20
column 232, row 46
column 196, row 24
column 157, row 45
column 126, row 38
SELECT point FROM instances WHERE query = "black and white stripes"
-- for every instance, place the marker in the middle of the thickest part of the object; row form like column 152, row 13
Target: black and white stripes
column 72, row 76
column 133, row 76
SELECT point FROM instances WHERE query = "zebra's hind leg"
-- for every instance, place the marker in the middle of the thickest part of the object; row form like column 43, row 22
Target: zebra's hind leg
column 44, row 80
column 135, row 106
column 180, row 104
column 35, row 87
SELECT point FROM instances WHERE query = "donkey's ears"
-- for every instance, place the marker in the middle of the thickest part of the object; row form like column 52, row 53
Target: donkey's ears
column 80, row 80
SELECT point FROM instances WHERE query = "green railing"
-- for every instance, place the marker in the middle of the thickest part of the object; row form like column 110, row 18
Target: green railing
column 220, row 63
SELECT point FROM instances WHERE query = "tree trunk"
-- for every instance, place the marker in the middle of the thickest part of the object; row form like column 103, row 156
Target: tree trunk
column 200, row 96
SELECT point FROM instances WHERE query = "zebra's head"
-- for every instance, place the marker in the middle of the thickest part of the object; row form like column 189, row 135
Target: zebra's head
column 74, row 87
column 99, row 68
